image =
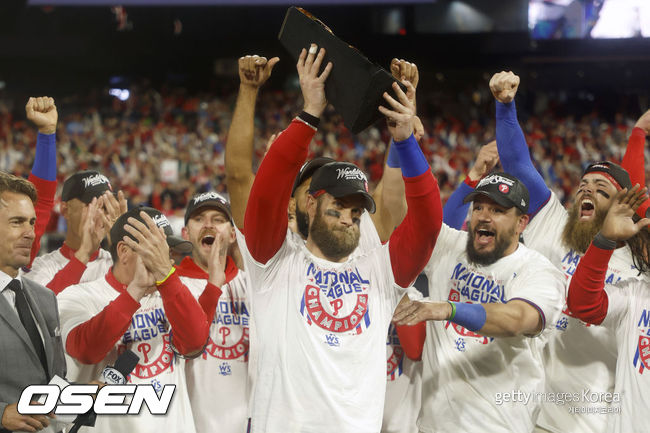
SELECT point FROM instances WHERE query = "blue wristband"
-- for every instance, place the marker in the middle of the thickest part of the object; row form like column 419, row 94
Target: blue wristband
column 45, row 158
column 393, row 157
column 470, row 316
column 411, row 158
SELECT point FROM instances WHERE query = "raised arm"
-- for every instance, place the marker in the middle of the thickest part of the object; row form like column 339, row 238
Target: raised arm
column 511, row 143
column 42, row 112
column 253, row 72
column 455, row 211
column 390, row 200
column 634, row 158
column 587, row 299
column 419, row 230
column 266, row 217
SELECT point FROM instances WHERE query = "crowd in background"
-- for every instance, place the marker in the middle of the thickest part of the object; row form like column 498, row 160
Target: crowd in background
column 162, row 146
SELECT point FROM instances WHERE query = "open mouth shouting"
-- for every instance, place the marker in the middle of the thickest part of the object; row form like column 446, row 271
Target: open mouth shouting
column 587, row 209
column 483, row 237
column 207, row 240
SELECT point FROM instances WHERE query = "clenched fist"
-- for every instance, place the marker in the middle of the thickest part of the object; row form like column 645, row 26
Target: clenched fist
column 255, row 70
column 42, row 112
column 401, row 69
column 504, row 86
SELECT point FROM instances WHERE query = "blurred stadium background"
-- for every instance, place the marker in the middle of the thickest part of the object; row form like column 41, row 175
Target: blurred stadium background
column 145, row 89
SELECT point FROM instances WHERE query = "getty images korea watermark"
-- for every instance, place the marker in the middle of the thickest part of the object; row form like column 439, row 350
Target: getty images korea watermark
column 587, row 401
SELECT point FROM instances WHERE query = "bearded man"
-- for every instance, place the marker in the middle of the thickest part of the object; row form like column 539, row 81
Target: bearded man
column 321, row 307
column 499, row 294
column 577, row 357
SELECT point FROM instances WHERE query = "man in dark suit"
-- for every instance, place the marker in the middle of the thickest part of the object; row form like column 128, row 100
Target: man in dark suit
column 30, row 344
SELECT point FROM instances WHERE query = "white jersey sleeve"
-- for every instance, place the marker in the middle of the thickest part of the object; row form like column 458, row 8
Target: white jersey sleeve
column 259, row 272
column 543, row 289
column 447, row 240
column 545, row 229
column 76, row 306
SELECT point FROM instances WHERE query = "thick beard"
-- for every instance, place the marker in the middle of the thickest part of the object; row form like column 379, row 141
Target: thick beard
column 577, row 235
column 501, row 244
column 333, row 247
column 302, row 221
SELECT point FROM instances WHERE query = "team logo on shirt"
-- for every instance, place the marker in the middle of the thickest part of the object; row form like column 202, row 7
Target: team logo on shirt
column 336, row 301
column 229, row 333
column 148, row 329
column 473, row 287
column 572, row 258
column 151, row 363
column 395, row 361
column 642, row 355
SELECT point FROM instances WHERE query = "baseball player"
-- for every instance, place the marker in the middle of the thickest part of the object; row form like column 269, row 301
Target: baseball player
column 622, row 307
column 577, row 357
column 321, row 309
column 500, row 294
column 217, row 381
column 90, row 209
column 141, row 305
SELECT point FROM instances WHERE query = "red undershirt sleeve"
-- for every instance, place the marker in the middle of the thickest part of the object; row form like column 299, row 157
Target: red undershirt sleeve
column 634, row 163
column 188, row 320
column 68, row 276
column 91, row 341
column 412, row 242
column 587, row 299
column 411, row 338
column 209, row 300
column 266, row 217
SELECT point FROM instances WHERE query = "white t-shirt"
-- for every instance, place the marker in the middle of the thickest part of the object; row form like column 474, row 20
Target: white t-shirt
column 217, row 381
column 465, row 375
column 577, row 357
column 321, row 338
column 628, row 316
column 403, row 386
column 45, row 267
column 148, row 336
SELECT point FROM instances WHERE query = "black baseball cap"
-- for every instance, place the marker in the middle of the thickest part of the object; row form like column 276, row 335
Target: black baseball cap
column 307, row 170
column 341, row 179
column 85, row 185
column 504, row 189
column 209, row 199
column 613, row 172
column 177, row 243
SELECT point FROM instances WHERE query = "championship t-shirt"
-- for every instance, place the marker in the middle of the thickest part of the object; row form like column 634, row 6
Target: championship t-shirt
column 469, row 379
column 579, row 358
column 149, row 336
column 45, row 267
column 628, row 316
column 403, row 386
column 321, row 339
column 217, row 381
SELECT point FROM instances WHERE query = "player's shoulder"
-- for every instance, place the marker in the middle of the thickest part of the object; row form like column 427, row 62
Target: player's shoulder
column 532, row 261
column 104, row 255
column 97, row 288
column 51, row 257
column 552, row 212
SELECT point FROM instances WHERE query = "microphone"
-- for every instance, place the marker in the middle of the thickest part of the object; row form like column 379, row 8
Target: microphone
column 124, row 365
column 115, row 375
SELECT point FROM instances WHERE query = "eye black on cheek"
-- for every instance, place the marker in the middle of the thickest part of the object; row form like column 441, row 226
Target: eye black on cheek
column 333, row 213
column 603, row 193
